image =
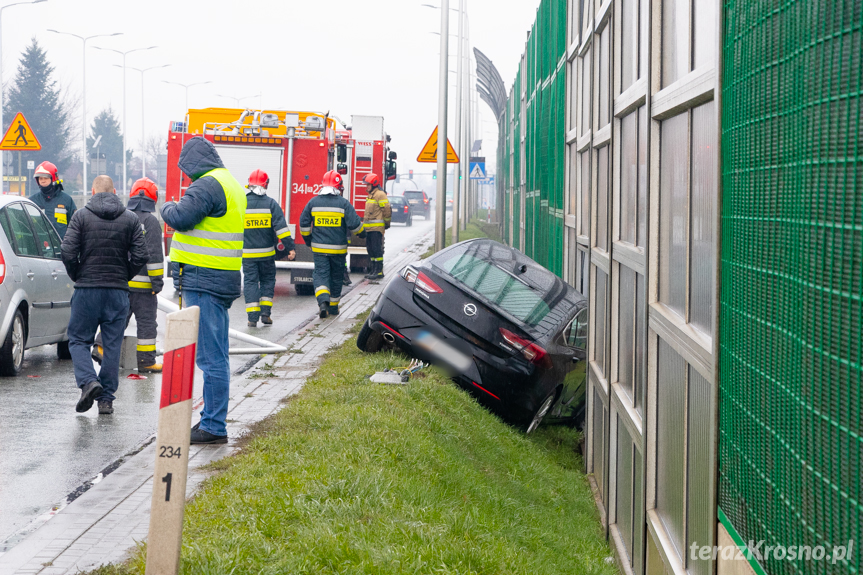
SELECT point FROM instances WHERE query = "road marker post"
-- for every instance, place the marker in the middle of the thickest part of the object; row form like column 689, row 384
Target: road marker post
column 165, row 539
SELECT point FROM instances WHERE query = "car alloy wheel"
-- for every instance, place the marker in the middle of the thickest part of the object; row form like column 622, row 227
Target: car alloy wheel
column 17, row 342
column 540, row 413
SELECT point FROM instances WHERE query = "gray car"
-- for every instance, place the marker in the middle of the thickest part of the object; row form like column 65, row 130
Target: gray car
column 35, row 292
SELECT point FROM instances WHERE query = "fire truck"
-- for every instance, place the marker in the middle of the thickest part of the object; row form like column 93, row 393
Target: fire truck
column 295, row 149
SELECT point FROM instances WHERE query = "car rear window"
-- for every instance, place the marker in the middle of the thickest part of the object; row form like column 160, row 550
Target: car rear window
column 397, row 200
column 495, row 285
column 414, row 195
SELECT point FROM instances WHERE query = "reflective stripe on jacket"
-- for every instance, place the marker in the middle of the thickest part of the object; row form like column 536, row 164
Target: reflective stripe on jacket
column 326, row 222
column 150, row 279
column 378, row 211
column 215, row 243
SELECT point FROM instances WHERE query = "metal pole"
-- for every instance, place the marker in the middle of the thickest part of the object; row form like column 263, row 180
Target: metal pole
column 143, row 134
column 125, row 178
column 84, row 116
column 464, row 199
column 459, row 121
column 443, row 85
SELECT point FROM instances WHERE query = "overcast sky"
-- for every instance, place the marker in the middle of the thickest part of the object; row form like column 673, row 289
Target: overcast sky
column 372, row 57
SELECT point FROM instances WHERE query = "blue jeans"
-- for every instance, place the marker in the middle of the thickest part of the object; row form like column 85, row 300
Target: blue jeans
column 93, row 308
column 212, row 357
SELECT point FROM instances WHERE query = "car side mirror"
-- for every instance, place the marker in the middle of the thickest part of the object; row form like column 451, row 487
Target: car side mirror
column 391, row 169
column 342, row 152
column 575, row 359
column 342, row 169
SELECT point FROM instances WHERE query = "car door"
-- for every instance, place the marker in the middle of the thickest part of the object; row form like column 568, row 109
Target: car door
column 35, row 269
column 60, row 285
column 573, row 340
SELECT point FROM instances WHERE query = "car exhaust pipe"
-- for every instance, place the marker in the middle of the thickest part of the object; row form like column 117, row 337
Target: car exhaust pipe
column 388, row 337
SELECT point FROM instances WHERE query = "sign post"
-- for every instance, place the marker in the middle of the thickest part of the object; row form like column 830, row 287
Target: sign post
column 165, row 538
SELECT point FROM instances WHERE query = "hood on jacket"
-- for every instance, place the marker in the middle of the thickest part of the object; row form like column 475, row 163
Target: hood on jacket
column 106, row 205
column 141, row 204
column 198, row 157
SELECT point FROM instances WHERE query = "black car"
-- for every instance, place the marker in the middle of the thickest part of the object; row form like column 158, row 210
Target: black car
column 402, row 212
column 419, row 201
column 507, row 329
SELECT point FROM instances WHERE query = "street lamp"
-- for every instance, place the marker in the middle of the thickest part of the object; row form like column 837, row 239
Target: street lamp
column 143, row 129
column 187, row 86
column 84, row 97
column 124, row 101
column 237, row 100
column 1, row 71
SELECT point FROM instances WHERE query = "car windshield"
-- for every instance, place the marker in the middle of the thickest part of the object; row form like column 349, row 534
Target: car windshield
column 414, row 195
column 482, row 267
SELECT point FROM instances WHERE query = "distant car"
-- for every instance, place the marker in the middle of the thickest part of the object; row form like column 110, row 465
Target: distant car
column 420, row 203
column 449, row 204
column 35, row 292
column 402, row 212
column 508, row 330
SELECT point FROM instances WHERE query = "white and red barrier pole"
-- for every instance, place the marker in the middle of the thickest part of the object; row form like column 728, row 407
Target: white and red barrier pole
column 172, row 444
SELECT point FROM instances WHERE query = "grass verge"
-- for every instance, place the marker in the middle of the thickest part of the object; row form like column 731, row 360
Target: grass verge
column 475, row 228
column 356, row 477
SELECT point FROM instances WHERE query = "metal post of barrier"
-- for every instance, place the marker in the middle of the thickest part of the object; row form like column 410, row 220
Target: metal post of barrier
column 172, row 444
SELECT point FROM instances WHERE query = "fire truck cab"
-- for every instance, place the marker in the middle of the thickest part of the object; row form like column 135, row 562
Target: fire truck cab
column 295, row 149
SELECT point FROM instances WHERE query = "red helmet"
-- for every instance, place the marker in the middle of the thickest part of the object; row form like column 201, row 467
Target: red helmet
column 145, row 187
column 333, row 179
column 259, row 178
column 47, row 170
column 373, row 180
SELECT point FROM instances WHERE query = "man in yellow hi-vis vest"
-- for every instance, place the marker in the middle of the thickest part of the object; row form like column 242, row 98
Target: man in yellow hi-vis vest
column 206, row 258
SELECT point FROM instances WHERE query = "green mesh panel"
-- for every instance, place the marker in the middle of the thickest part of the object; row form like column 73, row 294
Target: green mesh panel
column 791, row 323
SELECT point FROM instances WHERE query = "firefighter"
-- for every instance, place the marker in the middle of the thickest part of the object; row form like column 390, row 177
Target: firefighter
column 143, row 301
column 56, row 203
column 377, row 219
column 326, row 223
column 265, row 227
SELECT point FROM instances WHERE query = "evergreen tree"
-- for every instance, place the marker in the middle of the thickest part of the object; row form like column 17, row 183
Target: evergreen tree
column 35, row 93
column 105, row 124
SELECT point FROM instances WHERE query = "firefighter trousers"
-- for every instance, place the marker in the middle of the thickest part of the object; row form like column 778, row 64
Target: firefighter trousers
column 375, row 247
column 144, row 307
column 328, row 277
column 259, row 286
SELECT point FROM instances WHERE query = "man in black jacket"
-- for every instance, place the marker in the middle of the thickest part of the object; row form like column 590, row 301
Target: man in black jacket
column 103, row 249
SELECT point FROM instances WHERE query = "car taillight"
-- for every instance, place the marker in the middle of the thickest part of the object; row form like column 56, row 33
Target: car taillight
column 406, row 209
column 531, row 352
column 426, row 201
column 2, row 267
column 420, row 280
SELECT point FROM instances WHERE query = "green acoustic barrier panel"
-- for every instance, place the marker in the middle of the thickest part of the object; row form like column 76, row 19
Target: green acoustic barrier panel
column 791, row 303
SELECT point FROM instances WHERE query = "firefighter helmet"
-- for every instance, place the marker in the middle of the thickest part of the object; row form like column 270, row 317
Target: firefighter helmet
column 145, row 187
column 372, row 180
column 47, row 170
column 259, row 178
column 333, row 179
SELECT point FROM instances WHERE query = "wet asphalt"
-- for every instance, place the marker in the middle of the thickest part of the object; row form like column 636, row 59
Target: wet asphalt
column 49, row 453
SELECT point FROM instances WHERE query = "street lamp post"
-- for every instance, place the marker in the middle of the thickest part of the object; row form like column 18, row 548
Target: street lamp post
column 187, row 86
column 1, row 72
column 443, row 88
column 125, row 179
column 237, row 100
column 84, row 97
column 143, row 129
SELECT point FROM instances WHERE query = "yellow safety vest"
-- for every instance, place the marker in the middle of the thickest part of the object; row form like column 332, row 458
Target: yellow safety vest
column 215, row 243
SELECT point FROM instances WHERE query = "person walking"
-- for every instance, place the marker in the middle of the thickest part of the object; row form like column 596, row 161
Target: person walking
column 103, row 248
column 206, row 258
column 265, row 227
column 52, row 200
column 143, row 301
column 325, row 223
column 378, row 214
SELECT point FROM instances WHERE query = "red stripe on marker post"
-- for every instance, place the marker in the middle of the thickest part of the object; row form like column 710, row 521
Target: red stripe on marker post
column 178, row 375
column 172, row 444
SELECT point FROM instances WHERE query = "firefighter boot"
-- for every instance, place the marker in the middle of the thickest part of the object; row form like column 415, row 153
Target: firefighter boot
column 372, row 268
column 325, row 309
column 347, row 280
column 379, row 273
column 96, row 354
column 155, row 368
column 266, row 320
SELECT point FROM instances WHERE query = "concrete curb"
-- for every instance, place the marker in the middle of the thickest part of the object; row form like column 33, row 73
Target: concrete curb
column 111, row 518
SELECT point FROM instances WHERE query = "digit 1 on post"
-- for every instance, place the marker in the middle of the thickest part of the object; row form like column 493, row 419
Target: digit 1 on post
column 172, row 443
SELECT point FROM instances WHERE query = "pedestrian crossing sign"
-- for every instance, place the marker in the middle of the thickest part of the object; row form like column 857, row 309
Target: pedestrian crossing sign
column 429, row 151
column 19, row 137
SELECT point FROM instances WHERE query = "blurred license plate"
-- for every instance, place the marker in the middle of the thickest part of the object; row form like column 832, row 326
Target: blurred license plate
column 413, row 202
column 443, row 351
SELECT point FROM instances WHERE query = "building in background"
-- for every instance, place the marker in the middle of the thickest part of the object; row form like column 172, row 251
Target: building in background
column 695, row 168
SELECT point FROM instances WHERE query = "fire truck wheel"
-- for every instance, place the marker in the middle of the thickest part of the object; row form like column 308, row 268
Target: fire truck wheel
column 305, row 289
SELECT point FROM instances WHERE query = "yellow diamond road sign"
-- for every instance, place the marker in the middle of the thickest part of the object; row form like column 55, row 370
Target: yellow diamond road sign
column 429, row 153
column 19, row 137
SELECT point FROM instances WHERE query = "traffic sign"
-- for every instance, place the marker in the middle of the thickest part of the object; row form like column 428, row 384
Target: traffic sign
column 477, row 168
column 19, row 137
column 429, row 151
column 487, row 181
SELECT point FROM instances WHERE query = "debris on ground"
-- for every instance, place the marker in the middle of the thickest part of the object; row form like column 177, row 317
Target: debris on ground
column 399, row 375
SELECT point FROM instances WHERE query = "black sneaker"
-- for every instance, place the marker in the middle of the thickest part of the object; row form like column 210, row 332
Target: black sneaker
column 196, row 427
column 106, row 407
column 88, row 393
column 201, row 437
column 325, row 310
